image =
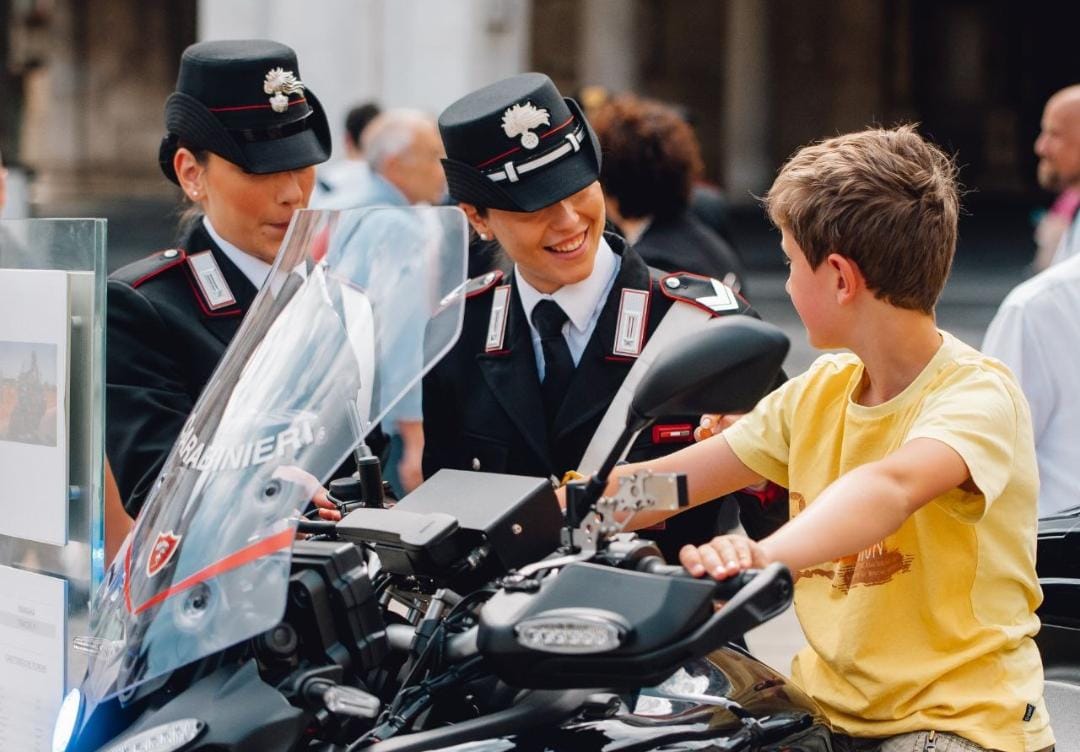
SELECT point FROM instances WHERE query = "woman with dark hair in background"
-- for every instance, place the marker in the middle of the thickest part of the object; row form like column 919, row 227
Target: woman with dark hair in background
column 651, row 160
column 243, row 135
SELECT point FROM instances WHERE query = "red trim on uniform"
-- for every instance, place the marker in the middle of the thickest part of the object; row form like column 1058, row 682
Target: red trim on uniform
column 225, row 312
column 516, row 149
column 497, row 353
column 678, row 433
column 238, row 108
column 235, row 560
column 178, row 260
column 494, row 281
column 619, row 358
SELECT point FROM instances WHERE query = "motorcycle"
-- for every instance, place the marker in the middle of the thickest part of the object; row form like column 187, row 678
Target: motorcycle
column 1058, row 565
column 472, row 614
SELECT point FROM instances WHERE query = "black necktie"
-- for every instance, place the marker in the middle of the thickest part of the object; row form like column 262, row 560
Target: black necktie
column 548, row 318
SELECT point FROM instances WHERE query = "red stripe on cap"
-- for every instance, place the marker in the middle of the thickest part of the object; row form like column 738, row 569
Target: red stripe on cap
column 244, row 556
column 556, row 129
column 253, row 106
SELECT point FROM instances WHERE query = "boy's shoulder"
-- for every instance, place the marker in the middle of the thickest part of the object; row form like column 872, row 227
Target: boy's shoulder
column 959, row 361
column 968, row 380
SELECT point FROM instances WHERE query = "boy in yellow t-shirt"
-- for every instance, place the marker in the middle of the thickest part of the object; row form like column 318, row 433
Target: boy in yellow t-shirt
column 910, row 465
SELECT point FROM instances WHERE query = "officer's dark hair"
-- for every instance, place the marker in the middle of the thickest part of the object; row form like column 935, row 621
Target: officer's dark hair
column 651, row 156
column 189, row 212
column 358, row 119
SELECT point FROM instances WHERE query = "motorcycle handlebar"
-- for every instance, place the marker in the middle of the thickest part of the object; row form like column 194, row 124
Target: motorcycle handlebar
column 463, row 646
column 458, row 648
column 723, row 590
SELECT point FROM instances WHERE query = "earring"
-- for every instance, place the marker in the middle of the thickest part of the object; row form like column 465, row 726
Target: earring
column 484, row 236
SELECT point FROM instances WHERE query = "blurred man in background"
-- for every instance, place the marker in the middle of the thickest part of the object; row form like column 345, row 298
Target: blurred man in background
column 403, row 154
column 339, row 176
column 1058, row 149
column 1037, row 328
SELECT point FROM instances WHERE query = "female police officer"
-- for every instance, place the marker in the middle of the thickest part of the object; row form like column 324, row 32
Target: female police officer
column 542, row 353
column 243, row 135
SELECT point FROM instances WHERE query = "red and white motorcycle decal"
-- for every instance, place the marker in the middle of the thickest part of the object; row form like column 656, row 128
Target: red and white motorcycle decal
column 164, row 548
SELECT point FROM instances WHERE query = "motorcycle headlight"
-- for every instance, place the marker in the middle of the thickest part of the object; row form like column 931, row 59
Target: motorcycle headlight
column 167, row 737
column 573, row 631
column 67, row 721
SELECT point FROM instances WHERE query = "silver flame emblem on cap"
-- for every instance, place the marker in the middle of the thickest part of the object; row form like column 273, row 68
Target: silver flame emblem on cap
column 280, row 83
column 521, row 120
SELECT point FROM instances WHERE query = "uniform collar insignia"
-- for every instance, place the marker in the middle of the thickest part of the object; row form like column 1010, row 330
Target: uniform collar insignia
column 521, row 120
column 280, row 83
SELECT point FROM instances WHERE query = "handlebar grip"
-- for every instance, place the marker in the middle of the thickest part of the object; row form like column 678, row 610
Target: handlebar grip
column 723, row 590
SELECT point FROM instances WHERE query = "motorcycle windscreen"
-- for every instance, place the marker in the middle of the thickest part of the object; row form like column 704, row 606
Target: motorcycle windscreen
column 359, row 305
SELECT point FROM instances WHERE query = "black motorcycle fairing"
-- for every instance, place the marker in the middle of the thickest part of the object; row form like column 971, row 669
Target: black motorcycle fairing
column 794, row 722
column 672, row 618
column 241, row 713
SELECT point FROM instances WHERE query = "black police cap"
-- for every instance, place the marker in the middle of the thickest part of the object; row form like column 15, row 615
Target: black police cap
column 245, row 101
column 517, row 145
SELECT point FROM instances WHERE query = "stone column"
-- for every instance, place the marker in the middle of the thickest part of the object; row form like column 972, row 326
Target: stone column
column 745, row 145
column 608, row 55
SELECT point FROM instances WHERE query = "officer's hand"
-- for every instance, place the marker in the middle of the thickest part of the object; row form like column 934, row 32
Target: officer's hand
column 712, row 424
column 723, row 556
column 327, row 509
column 560, row 495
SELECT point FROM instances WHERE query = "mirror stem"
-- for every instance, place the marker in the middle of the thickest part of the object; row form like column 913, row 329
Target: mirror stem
column 581, row 499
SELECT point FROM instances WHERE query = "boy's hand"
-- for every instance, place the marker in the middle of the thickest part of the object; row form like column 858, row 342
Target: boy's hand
column 723, row 556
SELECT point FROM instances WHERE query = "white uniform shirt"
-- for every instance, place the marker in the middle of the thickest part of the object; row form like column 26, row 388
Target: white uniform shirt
column 254, row 269
column 583, row 302
column 1036, row 332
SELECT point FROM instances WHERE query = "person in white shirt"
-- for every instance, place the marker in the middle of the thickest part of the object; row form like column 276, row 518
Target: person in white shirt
column 1036, row 332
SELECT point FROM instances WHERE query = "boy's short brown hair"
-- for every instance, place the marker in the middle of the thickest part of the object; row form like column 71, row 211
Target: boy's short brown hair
column 885, row 198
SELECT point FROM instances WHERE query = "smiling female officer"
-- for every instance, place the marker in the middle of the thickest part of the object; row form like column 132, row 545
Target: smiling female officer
column 543, row 352
column 243, row 135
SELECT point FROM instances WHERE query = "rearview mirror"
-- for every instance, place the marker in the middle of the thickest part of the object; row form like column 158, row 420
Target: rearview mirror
column 725, row 368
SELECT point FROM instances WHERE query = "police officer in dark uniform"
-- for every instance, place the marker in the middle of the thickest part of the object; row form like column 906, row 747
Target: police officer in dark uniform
column 545, row 348
column 243, row 135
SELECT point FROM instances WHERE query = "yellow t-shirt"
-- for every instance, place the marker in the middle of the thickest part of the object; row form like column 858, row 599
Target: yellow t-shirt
column 932, row 627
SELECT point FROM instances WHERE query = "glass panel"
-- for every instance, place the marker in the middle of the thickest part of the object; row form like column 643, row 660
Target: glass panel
column 51, row 416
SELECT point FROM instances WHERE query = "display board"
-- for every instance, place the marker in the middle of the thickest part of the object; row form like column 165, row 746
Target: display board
column 52, row 399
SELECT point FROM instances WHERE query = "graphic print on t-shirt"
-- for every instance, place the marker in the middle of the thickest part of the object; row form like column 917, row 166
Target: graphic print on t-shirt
column 875, row 565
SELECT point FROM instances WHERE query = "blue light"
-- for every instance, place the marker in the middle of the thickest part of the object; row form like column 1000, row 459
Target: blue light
column 67, row 720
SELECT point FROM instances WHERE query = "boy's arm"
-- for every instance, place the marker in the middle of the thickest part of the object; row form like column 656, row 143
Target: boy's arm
column 859, row 509
column 712, row 470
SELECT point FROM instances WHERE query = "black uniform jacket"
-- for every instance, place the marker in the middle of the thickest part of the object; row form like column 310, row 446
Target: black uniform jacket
column 484, row 410
column 163, row 340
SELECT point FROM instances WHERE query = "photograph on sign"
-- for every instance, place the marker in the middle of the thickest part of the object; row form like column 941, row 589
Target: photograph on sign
column 34, row 345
